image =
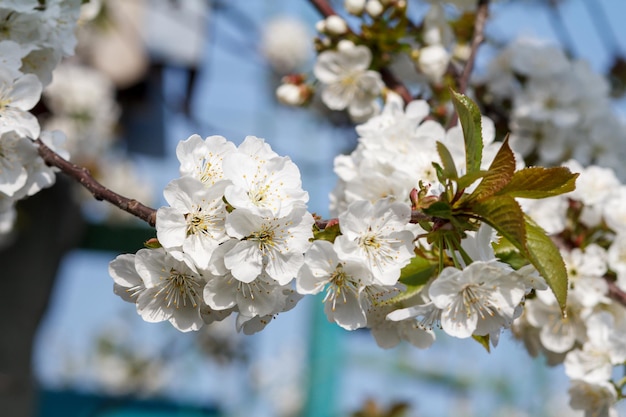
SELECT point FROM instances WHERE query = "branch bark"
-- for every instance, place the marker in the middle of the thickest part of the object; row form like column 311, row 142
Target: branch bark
column 477, row 38
column 324, row 7
column 99, row 191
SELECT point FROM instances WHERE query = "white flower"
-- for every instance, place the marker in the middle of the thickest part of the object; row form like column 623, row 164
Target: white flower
column 597, row 399
column 262, row 296
column 167, row 289
column 585, row 270
column 23, row 28
column 286, row 44
column 343, row 282
column 480, row 299
column 273, row 244
column 605, row 347
column 17, row 96
column 557, row 334
column 263, row 186
column 15, row 153
column 40, row 175
column 614, row 210
column 433, row 62
column 202, row 159
column 616, row 258
column 11, row 55
column 127, row 282
column 379, row 235
column 348, row 82
column 195, row 220
column 388, row 333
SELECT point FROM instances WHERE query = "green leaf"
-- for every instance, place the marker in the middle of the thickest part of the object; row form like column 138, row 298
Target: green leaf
column 546, row 258
column 505, row 215
column 539, row 182
column 417, row 272
column 439, row 209
column 513, row 258
column 498, row 176
column 415, row 276
column 469, row 116
column 329, row 233
column 449, row 168
column 468, row 179
column 483, row 340
column 152, row 243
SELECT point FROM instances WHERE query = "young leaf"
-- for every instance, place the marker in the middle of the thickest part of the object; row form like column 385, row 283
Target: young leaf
column 468, row 179
column 505, row 215
column 329, row 233
column 470, row 119
column 483, row 340
column 539, row 182
column 546, row 257
column 449, row 168
column 439, row 209
column 415, row 276
column 498, row 176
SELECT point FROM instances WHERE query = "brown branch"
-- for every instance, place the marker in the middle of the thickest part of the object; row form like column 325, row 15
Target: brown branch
column 616, row 293
column 324, row 7
column 99, row 191
column 395, row 84
column 477, row 38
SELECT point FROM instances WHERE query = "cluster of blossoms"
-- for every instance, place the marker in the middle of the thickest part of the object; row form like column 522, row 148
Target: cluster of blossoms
column 237, row 238
column 559, row 108
column 590, row 223
column 395, row 154
column 34, row 37
column 232, row 239
column 396, row 151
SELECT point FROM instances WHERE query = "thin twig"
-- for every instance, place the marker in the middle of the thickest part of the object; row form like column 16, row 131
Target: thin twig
column 477, row 38
column 99, row 191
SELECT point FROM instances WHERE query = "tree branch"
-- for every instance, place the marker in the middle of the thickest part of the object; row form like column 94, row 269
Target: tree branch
column 99, row 191
column 477, row 38
column 615, row 293
column 323, row 7
column 395, row 84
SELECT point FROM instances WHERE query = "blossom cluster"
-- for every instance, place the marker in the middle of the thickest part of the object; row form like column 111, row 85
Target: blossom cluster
column 591, row 341
column 232, row 238
column 236, row 237
column 34, row 38
column 559, row 108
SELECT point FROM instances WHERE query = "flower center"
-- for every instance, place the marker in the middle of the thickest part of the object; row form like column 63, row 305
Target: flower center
column 180, row 290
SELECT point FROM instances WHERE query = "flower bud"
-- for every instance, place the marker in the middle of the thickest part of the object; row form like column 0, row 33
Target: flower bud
column 374, row 8
column 433, row 62
column 355, row 7
column 335, row 25
column 292, row 94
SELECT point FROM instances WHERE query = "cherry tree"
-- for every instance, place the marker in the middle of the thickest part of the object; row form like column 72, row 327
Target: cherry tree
column 471, row 204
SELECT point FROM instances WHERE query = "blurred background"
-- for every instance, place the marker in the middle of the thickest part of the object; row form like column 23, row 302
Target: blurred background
column 149, row 73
